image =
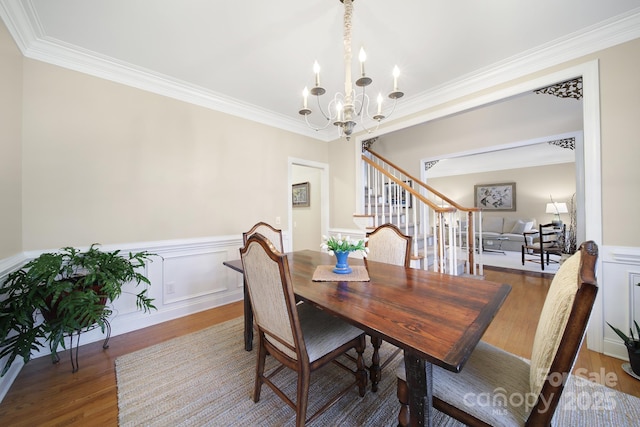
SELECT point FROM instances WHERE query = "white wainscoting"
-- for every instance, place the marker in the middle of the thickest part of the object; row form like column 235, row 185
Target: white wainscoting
column 620, row 295
column 187, row 276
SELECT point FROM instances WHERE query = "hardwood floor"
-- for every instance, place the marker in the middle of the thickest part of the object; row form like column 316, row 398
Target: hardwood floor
column 50, row 395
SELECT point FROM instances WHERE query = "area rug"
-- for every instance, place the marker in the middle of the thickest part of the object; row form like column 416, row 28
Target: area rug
column 513, row 260
column 206, row 379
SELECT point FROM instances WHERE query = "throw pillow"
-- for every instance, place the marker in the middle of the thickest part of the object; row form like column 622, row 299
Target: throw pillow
column 519, row 227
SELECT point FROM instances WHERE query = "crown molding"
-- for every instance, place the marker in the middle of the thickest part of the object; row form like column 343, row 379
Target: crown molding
column 606, row 34
column 23, row 24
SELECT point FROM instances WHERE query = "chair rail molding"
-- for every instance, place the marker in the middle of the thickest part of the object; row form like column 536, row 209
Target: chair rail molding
column 620, row 295
column 187, row 276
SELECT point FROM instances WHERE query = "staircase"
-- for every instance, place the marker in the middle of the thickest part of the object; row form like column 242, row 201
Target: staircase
column 442, row 230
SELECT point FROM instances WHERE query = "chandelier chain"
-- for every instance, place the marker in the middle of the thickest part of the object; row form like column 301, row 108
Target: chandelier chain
column 348, row 12
column 346, row 111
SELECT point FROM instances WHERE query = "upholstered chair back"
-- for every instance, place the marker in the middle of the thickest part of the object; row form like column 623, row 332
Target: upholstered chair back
column 553, row 321
column 387, row 244
column 266, row 273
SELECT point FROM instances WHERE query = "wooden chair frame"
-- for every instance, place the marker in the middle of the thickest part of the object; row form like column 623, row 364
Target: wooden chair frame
column 542, row 247
column 301, row 364
column 268, row 231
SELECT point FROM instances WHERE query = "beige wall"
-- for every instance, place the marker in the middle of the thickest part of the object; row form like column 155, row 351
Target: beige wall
column 341, row 190
column 108, row 163
column 620, row 127
column 10, row 139
column 533, row 187
column 515, row 120
column 620, row 124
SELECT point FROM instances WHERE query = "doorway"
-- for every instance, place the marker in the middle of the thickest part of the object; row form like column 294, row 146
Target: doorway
column 591, row 175
column 307, row 224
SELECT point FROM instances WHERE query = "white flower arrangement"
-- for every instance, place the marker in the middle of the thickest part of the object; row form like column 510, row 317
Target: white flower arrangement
column 337, row 243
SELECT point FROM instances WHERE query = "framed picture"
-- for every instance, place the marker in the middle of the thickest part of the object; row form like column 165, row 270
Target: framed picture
column 495, row 197
column 397, row 195
column 300, row 195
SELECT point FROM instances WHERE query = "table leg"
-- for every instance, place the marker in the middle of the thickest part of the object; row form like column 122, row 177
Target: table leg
column 248, row 320
column 375, row 373
column 419, row 374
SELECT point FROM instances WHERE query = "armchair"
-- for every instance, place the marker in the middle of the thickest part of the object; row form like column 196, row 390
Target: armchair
column 547, row 240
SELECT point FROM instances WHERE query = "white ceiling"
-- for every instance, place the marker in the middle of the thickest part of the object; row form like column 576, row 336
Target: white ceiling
column 252, row 58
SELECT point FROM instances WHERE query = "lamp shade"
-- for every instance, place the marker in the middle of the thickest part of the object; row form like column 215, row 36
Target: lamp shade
column 557, row 208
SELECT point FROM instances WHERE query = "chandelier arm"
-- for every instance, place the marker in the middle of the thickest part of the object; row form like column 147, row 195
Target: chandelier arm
column 393, row 108
column 314, row 127
column 362, row 103
column 368, row 130
column 326, row 116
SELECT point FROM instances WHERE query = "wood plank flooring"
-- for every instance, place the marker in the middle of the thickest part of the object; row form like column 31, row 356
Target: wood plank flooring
column 50, row 395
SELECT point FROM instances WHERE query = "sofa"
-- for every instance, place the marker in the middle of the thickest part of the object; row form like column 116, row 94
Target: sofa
column 505, row 234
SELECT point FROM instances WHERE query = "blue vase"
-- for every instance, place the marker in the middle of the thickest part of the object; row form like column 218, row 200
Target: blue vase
column 342, row 267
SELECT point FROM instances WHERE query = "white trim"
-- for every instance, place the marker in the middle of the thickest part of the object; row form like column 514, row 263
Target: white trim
column 324, row 193
column 14, row 262
column 224, row 286
column 23, row 24
column 621, row 269
column 592, row 155
column 577, row 135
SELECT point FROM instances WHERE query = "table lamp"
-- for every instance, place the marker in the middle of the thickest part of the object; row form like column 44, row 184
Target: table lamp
column 557, row 208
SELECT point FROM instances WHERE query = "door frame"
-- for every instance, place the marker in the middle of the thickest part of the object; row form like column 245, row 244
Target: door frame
column 589, row 71
column 324, row 194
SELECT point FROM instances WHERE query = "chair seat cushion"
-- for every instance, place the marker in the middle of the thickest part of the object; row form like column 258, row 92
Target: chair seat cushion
column 493, row 386
column 322, row 332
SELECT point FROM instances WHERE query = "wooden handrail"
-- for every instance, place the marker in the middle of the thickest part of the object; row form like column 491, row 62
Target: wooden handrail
column 398, row 175
column 424, row 185
column 408, row 188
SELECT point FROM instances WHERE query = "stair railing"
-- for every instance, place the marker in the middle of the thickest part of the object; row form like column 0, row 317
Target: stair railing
column 440, row 226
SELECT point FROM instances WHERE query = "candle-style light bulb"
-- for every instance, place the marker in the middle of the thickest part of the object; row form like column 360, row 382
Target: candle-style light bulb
column 396, row 73
column 305, row 96
column 339, row 110
column 362, row 56
column 316, row 70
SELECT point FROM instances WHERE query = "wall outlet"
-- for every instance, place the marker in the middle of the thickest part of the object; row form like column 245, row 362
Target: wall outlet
column 171, row 288
column 278, row 220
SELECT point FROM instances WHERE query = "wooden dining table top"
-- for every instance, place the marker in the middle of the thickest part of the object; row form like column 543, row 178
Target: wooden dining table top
column 438, row 317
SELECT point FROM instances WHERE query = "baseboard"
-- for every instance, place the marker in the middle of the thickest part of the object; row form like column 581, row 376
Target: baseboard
column 187, row 276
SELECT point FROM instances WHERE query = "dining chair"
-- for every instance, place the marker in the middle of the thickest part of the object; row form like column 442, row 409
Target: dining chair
column 498, row 388
column 547, row 240
column 389, row 245
column 298, row 336
column 273, row 234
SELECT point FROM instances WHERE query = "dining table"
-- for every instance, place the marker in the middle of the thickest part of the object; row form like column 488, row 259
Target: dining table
column 436, row 318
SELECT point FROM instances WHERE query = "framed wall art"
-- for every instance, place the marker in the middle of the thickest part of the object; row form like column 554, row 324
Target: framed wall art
column 396, row 195
column 300, row 195
column 495, row 197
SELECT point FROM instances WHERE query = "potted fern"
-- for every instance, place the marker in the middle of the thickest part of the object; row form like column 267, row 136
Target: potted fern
column 633, row 346
column 57, row 294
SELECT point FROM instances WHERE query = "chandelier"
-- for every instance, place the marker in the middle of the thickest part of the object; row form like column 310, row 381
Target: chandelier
column 348, row 110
